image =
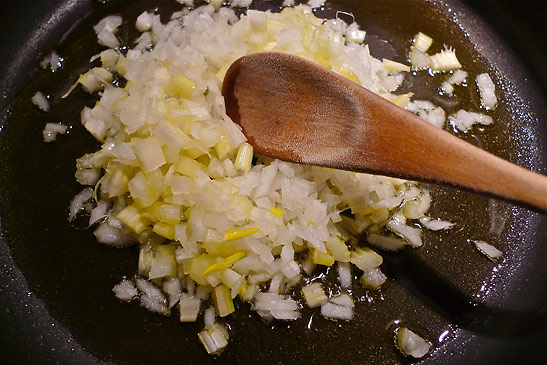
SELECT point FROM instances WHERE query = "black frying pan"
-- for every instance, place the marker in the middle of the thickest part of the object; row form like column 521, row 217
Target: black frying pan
column 56, row 304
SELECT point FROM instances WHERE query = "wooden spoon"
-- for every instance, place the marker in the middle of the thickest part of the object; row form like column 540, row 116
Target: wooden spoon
column 295, row 110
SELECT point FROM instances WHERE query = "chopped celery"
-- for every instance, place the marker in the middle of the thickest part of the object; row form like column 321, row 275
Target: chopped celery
column 244, row 157
column 422, row 42
column 198, row 265
column 314, row 295
column 182, row 86
column 223, row 300
column 395, row 66
column 321, row 258
column 225, row 264
column 338, row 248
column 188, row 166
column 131, row 218
column 189, row 308
column 233, row 234
column 165, row 230
column 214, row 338
column 276, row 211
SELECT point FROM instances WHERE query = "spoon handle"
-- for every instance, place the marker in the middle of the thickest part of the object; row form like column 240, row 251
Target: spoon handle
column 432, row 154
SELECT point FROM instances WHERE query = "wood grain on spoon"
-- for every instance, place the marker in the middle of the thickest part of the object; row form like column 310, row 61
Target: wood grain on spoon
column 295, row 110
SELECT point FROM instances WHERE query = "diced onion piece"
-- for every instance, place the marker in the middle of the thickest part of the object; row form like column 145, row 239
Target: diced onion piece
column 447, row 87
column 163, row 263
column 149, row 154
column 445, row 60
column 458, row 77
column 315, row 3
column 395, row 66
column 386, row 243
column 487, row 90
column 487, row 249
column 125, row 290
column 240, row 3
column 344, row 274
column 436, row 224
column 144, row 21
column 105, row 30
column 373, row 278
column 51, row 130
column 257, row 19
column 334, row 311
column 419, row 59
column 314, row 295
column 113, row 236
column 410, row 344
column 95, row 79
column 354, row 35
column 40, row 101
column 422, row 42
column 343, row 300
column 78, row 201
column 464, row 120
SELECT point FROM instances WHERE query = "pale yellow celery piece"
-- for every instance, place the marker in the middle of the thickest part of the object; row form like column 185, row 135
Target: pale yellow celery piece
column 226, row 263
column 276, row 211
column 244, row 157
column 222, row 298
column 403, row 100
column 233, row 234
column 121, row 65
column 198, row 265
column 314, row 295
column 395, row 66
column 223, row 147
column 321, row 258
column 188, row 167
column 338, row 249
column 131, row 218
column 183, row 86
column 164, row 230
column 422, row 42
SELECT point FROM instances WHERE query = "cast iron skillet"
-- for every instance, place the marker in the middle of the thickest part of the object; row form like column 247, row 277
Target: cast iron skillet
column 56, row 301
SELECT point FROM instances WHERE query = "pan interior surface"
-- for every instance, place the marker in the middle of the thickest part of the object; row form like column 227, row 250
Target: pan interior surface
column 56, row 279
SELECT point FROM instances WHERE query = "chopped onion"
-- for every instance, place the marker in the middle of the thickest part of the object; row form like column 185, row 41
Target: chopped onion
column 52, row 129
column 105, row 30
column 487, row 90
column 410, row 344
column 77, row 203
column 40, row 101
column 125, row 291
column 487, row 249
column 334, row 311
